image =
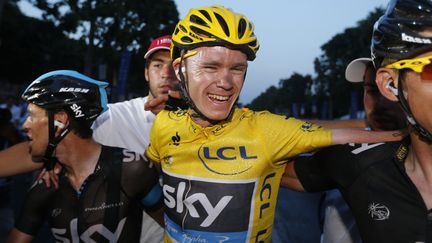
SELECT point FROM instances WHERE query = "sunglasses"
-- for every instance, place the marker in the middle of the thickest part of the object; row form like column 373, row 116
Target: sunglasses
column 421, row 65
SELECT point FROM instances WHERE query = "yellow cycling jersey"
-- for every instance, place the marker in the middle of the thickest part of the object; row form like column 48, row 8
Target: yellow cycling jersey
column 220, row 183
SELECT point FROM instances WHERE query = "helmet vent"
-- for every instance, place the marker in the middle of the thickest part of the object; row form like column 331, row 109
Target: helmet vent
column 223, row 24
column 199, row 32
column 206, row 14
column 241, row 28
column 183, row 28
column 197, row 20
column 186, row 39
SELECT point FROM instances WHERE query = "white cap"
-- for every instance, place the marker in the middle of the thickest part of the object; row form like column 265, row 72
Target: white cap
column 356, row 69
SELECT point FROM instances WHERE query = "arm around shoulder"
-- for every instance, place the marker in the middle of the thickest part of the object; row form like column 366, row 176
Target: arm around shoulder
column 344, row 136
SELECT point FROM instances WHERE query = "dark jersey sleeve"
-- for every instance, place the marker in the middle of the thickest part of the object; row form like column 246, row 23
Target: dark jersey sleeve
column 35, row 208
column 140, row 180
column 329, row 168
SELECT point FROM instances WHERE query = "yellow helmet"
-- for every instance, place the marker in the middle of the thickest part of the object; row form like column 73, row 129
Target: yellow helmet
column 214, row 26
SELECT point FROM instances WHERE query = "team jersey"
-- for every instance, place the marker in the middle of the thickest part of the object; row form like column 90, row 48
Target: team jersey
column 107, row 207
column 373, row 181
column 127, row 125
column 220, row 183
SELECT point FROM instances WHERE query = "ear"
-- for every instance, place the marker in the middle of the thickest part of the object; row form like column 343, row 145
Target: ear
column 176, row 66
column 61, row 120
column 387, row 82
column 146, row 75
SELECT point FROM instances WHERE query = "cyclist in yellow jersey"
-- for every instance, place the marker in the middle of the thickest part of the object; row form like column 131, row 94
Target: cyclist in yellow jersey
column 222, row 165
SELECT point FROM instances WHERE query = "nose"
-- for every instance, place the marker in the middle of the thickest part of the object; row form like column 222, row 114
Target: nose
column 25, row 125
column 168, row 71
column 225, row 80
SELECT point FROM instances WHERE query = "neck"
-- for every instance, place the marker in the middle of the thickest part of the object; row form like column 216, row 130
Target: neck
column 78, row 156
column 420, row 157
column 201, row 120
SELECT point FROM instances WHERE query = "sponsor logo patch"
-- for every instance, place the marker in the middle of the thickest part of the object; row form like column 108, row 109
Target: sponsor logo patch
column 378, row 211
column 207, row 210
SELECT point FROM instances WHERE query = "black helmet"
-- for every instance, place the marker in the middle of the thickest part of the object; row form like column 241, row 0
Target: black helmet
column 396, row 34
column 81, row 97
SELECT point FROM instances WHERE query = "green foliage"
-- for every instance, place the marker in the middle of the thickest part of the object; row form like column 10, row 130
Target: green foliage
column 278, row 99
column 102, row 30
column 117, row 24
column 337, row 53
column 30, row 47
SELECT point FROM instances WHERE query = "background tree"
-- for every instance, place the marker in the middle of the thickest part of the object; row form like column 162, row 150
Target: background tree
column 287, row 98
column 115, row 24
column 337, row 53
column 30, row 47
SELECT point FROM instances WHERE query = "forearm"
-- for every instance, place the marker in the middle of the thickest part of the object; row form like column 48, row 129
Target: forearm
column 343, row 136
column 330, row 124
column 16, row 160
column 16, row 236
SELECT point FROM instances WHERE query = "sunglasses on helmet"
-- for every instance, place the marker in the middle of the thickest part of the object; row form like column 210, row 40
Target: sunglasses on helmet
column 422, row 65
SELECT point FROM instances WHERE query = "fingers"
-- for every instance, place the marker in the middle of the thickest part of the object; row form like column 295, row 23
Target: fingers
column 54, row 175
column 44, row 175
column 156, row 105
column 54, row 178
column 41, row 174
column 50, row 177
column 175, row 94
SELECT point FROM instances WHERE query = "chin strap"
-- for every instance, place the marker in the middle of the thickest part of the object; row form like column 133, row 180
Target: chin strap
column 410, row 117
column 48, row 159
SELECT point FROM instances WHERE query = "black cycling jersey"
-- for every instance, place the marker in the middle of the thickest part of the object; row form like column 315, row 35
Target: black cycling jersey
column 371, row 177
column 107, row 208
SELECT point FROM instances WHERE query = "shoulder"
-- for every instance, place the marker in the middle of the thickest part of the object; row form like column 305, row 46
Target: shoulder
column 362, row 154
column 130, row 161
column 266, row 118
column 129, row 103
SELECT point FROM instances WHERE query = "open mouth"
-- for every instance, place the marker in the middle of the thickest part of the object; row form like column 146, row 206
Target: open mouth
column 219, row 98
column 165, row 88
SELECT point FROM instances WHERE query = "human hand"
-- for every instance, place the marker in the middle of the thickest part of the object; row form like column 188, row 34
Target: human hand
column 50, row 176
column 171, row 102
column 157, row 104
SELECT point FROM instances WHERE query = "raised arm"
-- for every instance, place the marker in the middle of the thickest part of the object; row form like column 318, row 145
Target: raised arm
column 16, row 160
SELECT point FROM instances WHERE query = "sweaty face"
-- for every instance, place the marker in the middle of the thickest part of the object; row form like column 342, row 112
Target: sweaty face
column 36, row 127
column 381, row 113
column 419, row 96
column 215, row 76
column 160, row 74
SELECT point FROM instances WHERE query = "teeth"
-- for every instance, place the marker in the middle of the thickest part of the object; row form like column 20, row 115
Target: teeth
column 218, row 97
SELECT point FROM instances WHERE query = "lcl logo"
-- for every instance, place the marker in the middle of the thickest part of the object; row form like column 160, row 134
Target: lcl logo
column 227, row 153
column 210, row 156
